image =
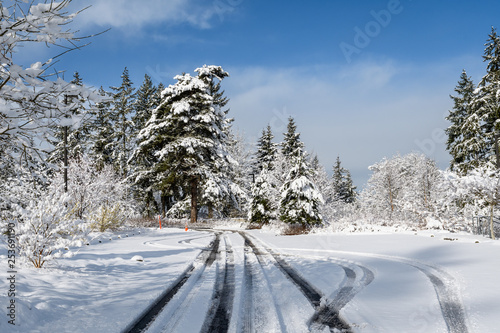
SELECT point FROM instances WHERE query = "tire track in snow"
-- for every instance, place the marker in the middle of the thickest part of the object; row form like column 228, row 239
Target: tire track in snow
column 348, row 289
column 207, row 257
column 248, row 306
column 219, row 315
column 326, row 314
column 256, row 317
column 444, row 284
column 449, row 298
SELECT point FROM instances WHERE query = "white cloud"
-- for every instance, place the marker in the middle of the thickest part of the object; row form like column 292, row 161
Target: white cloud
column 362, row 112
column 139, row 13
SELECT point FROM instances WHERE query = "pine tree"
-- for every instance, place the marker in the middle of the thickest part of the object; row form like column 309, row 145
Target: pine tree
column 464, row 133
column 487, row 99
column 266, row 150
column 343, row 187
column 146, row 100
column 188, row 133
column 102, row 131
column 142, row 160
column 263, row 204
column 292, row 146
column 122, row 109
column 239, row 175
column 300, row 199
column 77, row 133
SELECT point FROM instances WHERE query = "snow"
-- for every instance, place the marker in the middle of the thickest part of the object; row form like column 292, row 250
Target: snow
column 103, row 288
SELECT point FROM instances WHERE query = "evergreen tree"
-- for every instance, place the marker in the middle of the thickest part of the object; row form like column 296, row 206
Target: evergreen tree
column 263, row 204
column 146, row 100
column 464, row 133
column 239, row 175
column 343, row 187
column 142, row 160
column 300, row 199
column 122, row 109
column 487, row 99
column 77, row 133
column 266, row 150
column 292, row 146
column 102, row 131
column 188, row 133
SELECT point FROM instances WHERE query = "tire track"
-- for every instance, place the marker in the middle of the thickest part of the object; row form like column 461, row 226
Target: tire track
column 326, row 314
column 256, row 317
column 448, row 295
column 207, row 257
column 449, row 300
column 348, row 289
column 248, row 306
column 219, row 315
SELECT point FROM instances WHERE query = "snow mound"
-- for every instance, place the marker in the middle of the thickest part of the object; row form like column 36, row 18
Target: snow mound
column 137, row 258
column 432, row 223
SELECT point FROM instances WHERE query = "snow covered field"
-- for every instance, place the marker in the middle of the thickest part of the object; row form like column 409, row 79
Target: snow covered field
column 379, row 282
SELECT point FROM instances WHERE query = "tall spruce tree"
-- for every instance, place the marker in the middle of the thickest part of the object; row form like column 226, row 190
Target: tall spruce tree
column 464, row 133
column 142, row 160
column 343, row 188
column 292, row 146
column 300, row 199
column 263, row 203
column 102, row 131
column 146, row 100
column 188, row 133
column 77, row 133
column 122, row 109
column 266, row 150
column 487, row 99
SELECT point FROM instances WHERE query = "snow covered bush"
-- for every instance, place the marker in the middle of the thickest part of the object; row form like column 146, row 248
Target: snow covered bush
column 478, row 192
column 99, row 196
column 180, row 210
column 107, row 217
column 403, row 188
column 45, row 228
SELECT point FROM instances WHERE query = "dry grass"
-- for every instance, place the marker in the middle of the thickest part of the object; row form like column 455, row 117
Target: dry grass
column 252, row 226
column 296, row 229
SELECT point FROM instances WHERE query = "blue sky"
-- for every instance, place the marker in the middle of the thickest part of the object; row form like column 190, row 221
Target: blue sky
column 363, row 79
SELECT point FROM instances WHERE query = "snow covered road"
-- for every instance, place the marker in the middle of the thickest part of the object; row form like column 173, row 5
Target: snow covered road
column 255, row 281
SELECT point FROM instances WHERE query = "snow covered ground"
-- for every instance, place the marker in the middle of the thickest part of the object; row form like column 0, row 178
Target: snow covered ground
column 379, row 282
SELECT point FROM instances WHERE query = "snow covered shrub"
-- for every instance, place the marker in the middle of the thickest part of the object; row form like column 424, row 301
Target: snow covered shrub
column 107, row 217
column 403, row 188
column 478, row 191
column 45, row 228
column 180, row 209
column 96, row 195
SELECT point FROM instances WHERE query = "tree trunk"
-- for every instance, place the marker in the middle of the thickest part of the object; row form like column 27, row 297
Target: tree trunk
column 194, row 199
column 210, row 212
column 163, row 203
column 497, row 151
column 491, row 222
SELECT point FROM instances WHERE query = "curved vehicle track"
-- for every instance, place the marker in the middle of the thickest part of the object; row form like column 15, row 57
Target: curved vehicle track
column 447, row 293
column 327, row 311
column 214, row 268
column 449, row 299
